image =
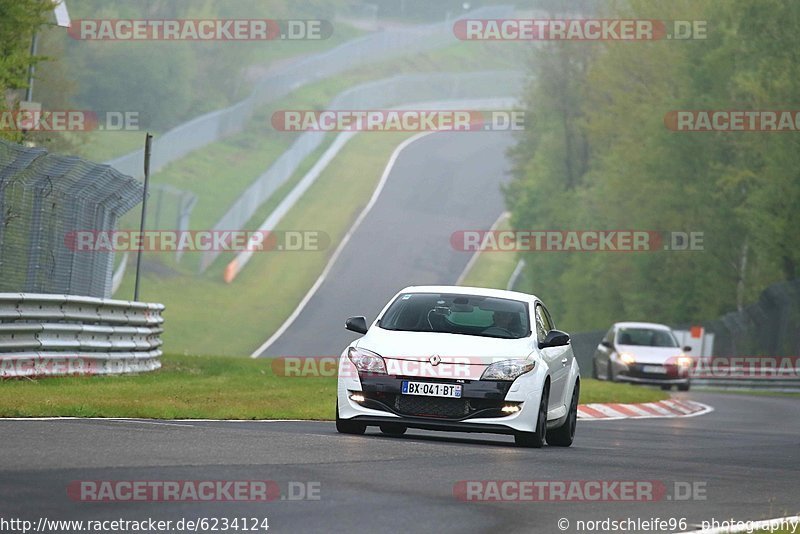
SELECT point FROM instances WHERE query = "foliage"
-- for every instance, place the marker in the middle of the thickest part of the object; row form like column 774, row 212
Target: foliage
column 597, row 155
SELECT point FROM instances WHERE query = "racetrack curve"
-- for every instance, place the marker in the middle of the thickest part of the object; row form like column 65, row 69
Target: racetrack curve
column 439, row 184
column 745, row 454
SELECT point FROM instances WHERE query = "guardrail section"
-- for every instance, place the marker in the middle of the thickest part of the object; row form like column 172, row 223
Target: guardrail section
column 57, row 335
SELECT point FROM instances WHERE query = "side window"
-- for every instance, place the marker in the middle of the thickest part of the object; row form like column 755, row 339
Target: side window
column 610, row 336
column 549, row 320
column 542, row 323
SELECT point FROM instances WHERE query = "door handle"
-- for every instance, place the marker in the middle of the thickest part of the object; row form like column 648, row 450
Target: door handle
column 564, row 361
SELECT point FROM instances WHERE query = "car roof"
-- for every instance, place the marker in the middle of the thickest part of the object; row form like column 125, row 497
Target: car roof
column 633, row 324
column 479, row 291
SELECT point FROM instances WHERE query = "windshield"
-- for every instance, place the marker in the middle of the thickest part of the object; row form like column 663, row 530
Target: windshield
column 648, row 337
column 458, row 314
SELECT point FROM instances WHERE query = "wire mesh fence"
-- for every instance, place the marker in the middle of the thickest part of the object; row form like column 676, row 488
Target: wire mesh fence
column 768, row 327
column 46, row 198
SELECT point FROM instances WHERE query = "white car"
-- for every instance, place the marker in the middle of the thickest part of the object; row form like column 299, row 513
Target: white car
column 642, row 353
column 462, row 359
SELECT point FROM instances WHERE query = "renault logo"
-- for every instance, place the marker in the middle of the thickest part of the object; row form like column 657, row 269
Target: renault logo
column 435, row 359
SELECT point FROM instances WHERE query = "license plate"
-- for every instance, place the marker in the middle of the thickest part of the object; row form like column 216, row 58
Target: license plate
column 654, row 369
column 429, row 389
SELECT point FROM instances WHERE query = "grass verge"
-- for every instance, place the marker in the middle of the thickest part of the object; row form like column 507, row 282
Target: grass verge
column 212, row 387
column 492, row 269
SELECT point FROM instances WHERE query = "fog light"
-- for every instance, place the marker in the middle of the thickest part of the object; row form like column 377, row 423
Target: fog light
column 510, row 408
column 357, row 397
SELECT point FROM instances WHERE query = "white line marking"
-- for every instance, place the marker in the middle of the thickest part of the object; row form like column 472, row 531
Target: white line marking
column 384, row 177
column 702, row 410
column 474, row 258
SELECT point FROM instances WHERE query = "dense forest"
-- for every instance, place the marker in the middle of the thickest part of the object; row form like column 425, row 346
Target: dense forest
column 597, row 153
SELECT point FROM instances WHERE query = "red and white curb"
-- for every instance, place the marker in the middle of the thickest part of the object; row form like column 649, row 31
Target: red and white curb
column 647, row 410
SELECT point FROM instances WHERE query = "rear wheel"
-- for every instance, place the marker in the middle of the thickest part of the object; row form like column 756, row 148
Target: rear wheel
column 684, row 387
column 535, row 439
column 666, row 387
column 564, row 435
column 393, row 429
column 344, row 426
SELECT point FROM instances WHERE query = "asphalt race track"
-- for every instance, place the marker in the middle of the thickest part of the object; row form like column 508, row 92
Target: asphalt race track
column 743, row 459
column 439, row 184
column 745, row 455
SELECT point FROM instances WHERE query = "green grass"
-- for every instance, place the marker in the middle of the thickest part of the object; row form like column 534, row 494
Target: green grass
column 211, row 387
column 272, row 284
column 492, row 269
column 603, row 391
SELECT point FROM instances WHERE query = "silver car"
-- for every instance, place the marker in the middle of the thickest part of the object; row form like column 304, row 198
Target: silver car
column 642, row 353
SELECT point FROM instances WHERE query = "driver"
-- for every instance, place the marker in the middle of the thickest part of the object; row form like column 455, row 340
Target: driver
column 505, row 320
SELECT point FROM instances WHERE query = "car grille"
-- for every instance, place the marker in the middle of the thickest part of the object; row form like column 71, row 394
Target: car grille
column 431, row 406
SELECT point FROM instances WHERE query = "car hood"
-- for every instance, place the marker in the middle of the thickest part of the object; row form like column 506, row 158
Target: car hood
column 655, row 355
column 409, row 353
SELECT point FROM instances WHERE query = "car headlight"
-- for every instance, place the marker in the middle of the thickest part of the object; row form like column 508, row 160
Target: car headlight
column 627, row 358
column 684, row 361
column 507, row 369
column 367, row 361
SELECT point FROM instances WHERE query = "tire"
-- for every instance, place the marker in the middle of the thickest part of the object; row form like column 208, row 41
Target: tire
column 594, row 369
column 343, row 426
column 610, row 372
column 564, row 435
column 393, row 429
column 666, row 387
column 684, row 387
column 536, row 438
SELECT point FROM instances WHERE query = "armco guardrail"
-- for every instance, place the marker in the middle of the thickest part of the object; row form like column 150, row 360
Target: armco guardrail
column 215, row 125
column 52, row 335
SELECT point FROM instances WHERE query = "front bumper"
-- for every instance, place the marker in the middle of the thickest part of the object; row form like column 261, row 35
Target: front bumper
column 479, row 398
column 478, row 409
column 671, row 374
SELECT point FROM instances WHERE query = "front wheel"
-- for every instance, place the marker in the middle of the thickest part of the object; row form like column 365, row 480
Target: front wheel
column 344, row 426
column 564, row 435
column 684, row 387
column 535, row 439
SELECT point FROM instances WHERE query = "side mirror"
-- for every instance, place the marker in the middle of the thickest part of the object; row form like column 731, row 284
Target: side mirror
column 606, row 343
column 555, row 338
column 687, row 348
column 357, row 324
